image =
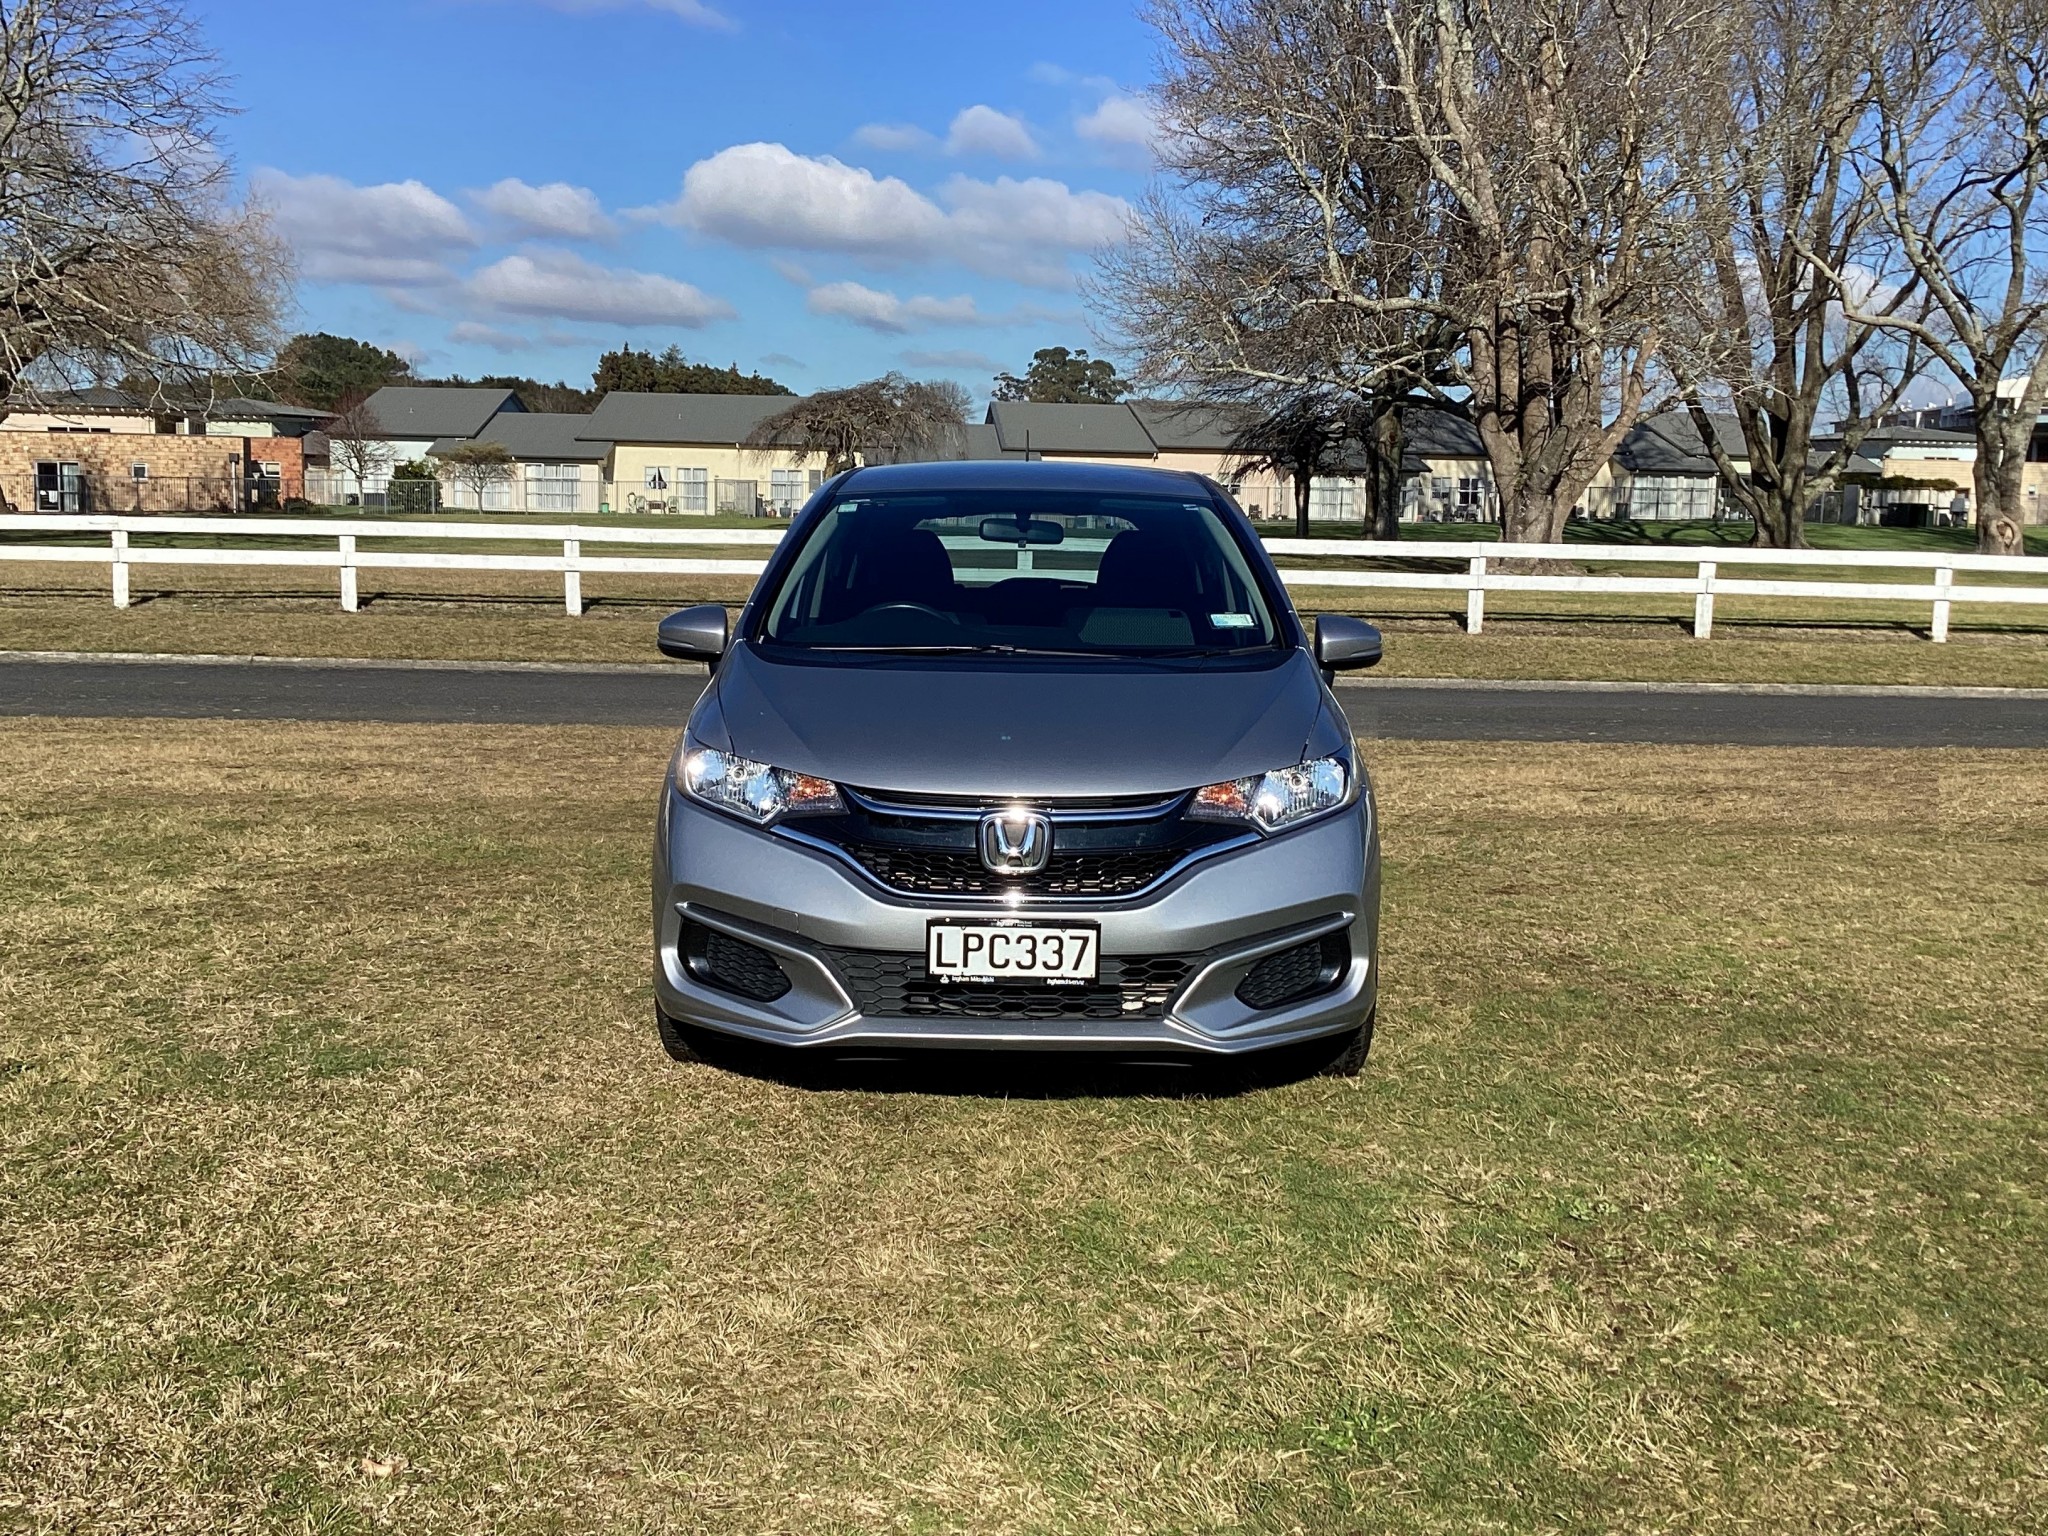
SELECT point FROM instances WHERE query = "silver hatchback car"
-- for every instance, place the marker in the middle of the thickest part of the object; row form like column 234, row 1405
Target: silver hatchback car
column 1021, row 756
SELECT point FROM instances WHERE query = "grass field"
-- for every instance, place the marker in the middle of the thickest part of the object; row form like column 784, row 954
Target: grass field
column 1696, row 1182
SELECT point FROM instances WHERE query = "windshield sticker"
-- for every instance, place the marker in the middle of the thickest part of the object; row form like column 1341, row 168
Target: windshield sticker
column 1232, row 620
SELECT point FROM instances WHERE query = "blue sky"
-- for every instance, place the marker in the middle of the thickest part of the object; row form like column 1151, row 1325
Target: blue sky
column 822, row 191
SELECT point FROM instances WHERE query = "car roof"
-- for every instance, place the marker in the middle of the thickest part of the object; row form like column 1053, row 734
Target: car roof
column 1024, row 475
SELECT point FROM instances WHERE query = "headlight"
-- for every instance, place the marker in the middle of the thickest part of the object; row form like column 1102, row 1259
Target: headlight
column 1270, row 801
column 756, row 791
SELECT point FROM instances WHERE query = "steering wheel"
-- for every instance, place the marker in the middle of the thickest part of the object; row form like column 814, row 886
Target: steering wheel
column 924, row 608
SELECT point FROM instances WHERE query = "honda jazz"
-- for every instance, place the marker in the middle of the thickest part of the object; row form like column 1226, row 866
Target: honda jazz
column 1020, row 756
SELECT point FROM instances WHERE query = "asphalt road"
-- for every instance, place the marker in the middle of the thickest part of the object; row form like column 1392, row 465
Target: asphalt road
column 656, row 696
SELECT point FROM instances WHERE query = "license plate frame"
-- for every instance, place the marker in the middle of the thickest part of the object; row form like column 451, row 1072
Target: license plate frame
column 953, row 947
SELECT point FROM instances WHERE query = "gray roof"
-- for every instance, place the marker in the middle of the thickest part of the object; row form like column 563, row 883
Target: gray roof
column 98, row 398
column 420, row 410
column 536, row 437
column 1070, row 428
column 1670, row 444
column 1192, row 426
column 627, row 417
column 241, row 408
column 1428, row 433
column 982, row 443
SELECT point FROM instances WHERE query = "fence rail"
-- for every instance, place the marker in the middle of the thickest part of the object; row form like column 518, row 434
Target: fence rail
column 1478, row 565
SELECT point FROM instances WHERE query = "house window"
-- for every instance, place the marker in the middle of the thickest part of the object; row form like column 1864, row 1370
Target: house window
column 693, row 490
column 552, row 487
column 138, row 471
column 657, row 477
column 786, row 490
column 59, row 487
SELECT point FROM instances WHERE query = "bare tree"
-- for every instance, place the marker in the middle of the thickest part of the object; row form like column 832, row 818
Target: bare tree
column 1961, row 156
column 356, row 444
column 1296, row 264
column 1479, row 198
column 892, row 417
column 1765, row 333
column 120, row 255
column 478, row 467
column 1308, row 435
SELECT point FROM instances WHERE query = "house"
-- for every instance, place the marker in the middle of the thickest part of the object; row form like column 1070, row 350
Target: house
column 1169, row 434
column 402, row 422
column 107, row 450
column 1907, row 476
column 555, row 468
column 1664, row 471
column 689, row 454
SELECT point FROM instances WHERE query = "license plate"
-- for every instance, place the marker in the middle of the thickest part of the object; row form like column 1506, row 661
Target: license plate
column 1010, row 952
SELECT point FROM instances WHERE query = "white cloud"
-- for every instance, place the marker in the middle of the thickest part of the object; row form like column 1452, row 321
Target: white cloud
column 562, row 285
column 1025, row 229
column 1121, row 122
column 687, row 10
column 768, row 196
column 980, row 362
column 885, row 312
column 982, row 130
column 474, row 333
column 894, row 138
column 398, row 233
column 557, row 209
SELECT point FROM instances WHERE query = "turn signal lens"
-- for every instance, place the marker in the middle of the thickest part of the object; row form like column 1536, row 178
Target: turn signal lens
column 1270, row 801
column 758, row 792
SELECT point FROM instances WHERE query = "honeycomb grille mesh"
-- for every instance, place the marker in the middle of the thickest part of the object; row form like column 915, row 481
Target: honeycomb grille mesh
column 959, row 872
column 720, row 960
column 1295, row 973
column 895, row 986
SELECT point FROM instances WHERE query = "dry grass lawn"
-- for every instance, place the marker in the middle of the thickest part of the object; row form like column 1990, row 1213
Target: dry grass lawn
column 1696, row 1182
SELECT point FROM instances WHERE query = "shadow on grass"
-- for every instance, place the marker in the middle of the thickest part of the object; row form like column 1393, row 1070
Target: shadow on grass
column 1012, row 1074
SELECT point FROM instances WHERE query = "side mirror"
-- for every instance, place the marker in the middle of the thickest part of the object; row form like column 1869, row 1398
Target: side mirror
column 1345, row 644
column 693, row 634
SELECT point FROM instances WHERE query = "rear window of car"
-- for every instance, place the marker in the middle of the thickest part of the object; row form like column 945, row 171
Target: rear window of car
column 1021, row 571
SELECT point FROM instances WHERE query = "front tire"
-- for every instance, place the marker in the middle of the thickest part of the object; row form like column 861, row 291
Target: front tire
column 1344, row 1055
column 676, row 1037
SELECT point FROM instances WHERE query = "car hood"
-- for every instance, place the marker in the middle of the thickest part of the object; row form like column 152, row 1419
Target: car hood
column 1013, row 727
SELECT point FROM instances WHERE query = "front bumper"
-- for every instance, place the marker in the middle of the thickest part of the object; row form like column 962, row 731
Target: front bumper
column 1229, row 911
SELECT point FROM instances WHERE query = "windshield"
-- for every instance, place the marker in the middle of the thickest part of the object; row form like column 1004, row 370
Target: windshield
column 1021, row 571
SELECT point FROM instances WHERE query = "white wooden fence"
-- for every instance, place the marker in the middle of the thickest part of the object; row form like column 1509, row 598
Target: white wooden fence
column 336, row 545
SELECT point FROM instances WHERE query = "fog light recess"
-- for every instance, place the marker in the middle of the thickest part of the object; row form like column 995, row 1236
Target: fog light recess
column 1295, row 974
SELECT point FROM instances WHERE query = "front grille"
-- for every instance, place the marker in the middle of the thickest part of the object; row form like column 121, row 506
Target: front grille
column 888, row 985
column 732, row 965
column 959, row 872
column 1296, row 973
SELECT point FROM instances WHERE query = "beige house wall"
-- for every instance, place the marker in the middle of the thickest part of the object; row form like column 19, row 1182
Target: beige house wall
column 49, row 421
column 2034, row 493
column 625, row 472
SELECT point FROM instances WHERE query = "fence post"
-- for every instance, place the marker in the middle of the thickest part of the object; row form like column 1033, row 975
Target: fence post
column 1703, row 605
column 572, row 578
column 120, row 551
column 1944, row 578
column 1475, row 597
column 348, row 572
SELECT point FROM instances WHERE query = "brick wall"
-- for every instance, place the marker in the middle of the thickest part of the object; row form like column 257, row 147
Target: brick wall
column 198, row 474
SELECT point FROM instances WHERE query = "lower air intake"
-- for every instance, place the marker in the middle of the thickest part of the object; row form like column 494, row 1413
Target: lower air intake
column 1293, row 974
column 732, row 965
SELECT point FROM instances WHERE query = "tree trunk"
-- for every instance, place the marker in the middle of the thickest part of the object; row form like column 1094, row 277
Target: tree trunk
column 1533, row 516
column 1779, row 521
column 1385, row 441
column 1999, row 481
column 1303, row 484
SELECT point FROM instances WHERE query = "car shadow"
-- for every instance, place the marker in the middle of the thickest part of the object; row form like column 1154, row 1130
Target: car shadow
column 1009, row 1074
